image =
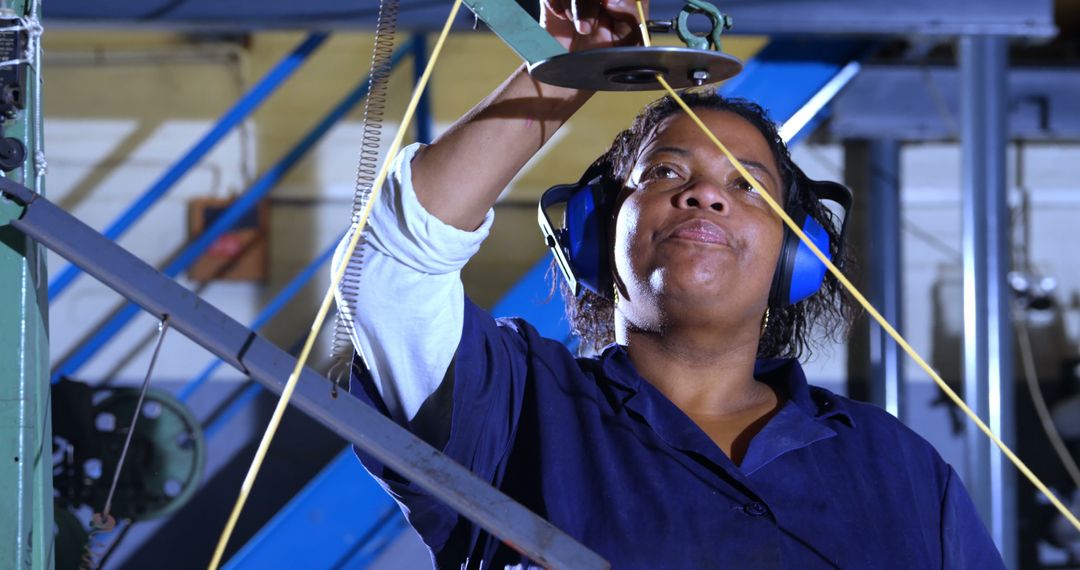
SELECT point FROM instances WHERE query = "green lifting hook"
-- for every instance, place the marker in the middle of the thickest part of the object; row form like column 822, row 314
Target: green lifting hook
column 720, row 23
column 710, row 41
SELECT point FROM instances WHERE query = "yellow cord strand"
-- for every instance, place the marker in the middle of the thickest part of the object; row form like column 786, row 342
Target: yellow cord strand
column 860, row 298
column 324, row 308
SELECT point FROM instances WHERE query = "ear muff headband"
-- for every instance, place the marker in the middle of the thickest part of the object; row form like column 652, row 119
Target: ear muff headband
column 580, row 252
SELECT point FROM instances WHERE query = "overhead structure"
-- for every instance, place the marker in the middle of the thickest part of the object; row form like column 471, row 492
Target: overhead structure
column 1031, row 18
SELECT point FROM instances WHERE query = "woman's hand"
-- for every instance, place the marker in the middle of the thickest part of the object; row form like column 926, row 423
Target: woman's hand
column 586, row 24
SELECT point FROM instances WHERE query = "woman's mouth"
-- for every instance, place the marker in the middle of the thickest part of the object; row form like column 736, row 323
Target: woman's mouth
column 701, row 231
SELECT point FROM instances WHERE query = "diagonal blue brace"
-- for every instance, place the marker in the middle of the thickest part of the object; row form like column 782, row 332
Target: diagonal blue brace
column 224, row 222
column 342, row 519
column 239, row 111
column 272, row 308
column 786, row 77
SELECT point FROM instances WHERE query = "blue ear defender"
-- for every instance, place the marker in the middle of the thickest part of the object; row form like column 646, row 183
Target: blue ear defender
column 799, row 273
column 580, row 246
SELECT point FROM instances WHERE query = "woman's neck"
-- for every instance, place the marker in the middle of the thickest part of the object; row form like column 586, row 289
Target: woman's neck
column 706, row 374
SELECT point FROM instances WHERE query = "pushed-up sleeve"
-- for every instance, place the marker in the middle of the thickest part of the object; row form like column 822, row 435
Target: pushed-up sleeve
column 431, row 359
column 406, row 301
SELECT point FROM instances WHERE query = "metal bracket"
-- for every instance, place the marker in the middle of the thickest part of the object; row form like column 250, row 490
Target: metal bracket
column 631, row 68
column 517, row 28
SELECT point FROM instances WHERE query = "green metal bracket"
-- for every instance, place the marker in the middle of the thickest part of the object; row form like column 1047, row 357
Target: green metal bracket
column 517, row 28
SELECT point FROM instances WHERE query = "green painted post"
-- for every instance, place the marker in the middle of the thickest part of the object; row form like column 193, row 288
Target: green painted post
column 26, row 489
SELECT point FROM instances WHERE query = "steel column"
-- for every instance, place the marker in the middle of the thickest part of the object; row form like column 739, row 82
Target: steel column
column 26, row 503
column 988, row 366
column 874, row 362
column 886, row 360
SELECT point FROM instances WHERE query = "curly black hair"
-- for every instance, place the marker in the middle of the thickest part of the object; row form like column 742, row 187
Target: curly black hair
column 787, row 335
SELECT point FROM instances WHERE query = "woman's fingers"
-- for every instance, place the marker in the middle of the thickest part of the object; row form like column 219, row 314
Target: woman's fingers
column 584, row 13
column 558, row 8
column 588, row 24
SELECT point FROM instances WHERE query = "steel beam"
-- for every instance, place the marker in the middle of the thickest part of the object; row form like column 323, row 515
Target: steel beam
column 290, row 290
column 918, row 103
column 267, row 364
column 767, row 17
column 988, row 343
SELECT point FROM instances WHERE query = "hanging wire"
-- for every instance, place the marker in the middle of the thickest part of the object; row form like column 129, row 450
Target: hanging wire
column 104, row 522
column 163, row 326
column 341, row 349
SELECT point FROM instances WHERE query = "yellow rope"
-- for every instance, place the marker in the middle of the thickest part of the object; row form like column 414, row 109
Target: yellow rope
column 860, row 298
column 324, row 309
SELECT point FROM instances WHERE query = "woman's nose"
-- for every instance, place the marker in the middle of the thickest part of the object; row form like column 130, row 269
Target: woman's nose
column 705, row 195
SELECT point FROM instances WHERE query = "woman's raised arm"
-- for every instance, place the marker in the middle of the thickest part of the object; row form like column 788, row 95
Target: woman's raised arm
column 458, row 177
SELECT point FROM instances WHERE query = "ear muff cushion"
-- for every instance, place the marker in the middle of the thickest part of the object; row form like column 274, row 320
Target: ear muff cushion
column 808, row 272
column 799, row 273
column 586, row 233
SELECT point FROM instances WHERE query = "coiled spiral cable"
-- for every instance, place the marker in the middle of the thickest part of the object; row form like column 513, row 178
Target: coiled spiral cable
column 341, row 349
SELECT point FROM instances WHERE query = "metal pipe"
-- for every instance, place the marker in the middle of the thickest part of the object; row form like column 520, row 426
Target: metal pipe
column 886, row 360
column 988, row 365
column 239, row 111
column 253, row 355
column 223, row 223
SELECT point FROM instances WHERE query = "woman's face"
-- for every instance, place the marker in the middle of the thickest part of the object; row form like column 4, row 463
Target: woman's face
column 693, row 239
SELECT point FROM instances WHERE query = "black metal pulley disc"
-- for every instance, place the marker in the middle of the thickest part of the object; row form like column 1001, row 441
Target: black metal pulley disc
column 165, row 462
column 635, row 68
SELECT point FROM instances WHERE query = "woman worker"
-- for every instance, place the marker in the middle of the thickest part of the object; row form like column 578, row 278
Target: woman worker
column 693, row 439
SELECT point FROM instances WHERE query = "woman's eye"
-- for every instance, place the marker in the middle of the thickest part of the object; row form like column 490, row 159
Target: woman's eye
column 745, row 185
column 661, row 172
